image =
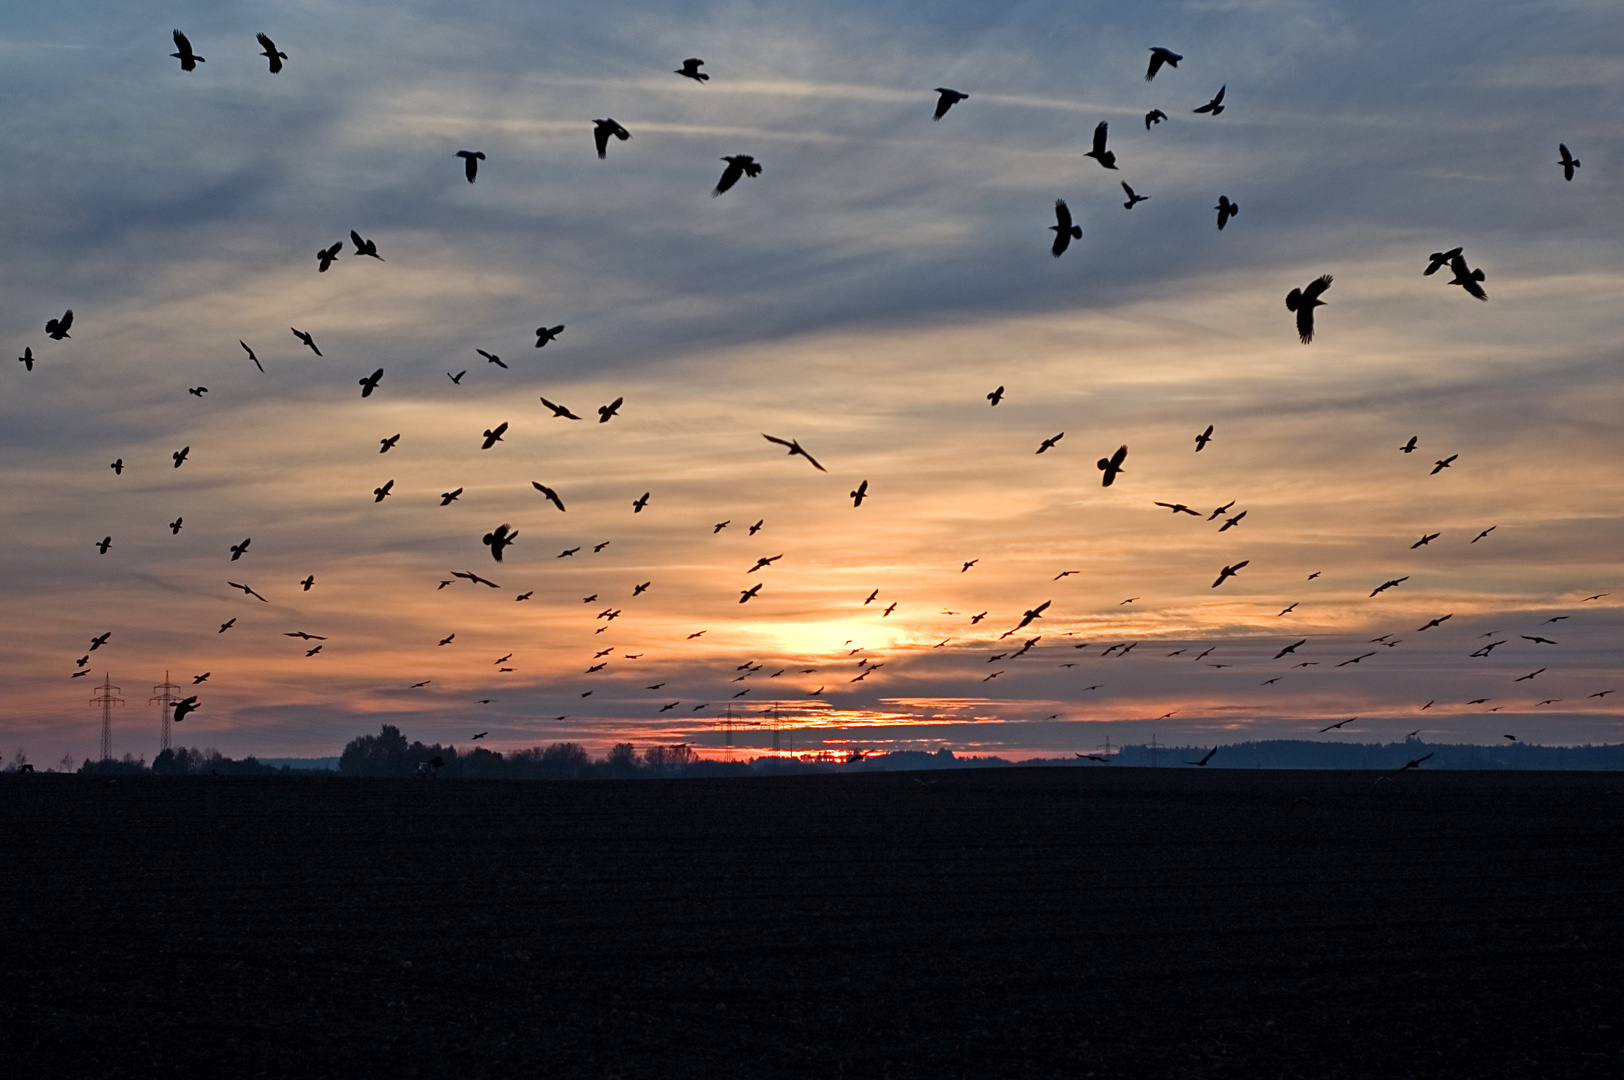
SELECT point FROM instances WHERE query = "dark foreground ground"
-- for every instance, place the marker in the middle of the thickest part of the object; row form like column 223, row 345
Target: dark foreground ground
column 1019, row 922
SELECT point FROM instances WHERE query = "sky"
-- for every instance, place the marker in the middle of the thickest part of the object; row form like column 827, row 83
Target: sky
column 863, row 295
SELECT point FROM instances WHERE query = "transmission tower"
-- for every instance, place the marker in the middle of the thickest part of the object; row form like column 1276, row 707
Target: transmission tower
column 1106, row 746
column 107, row 697
column 166, row 705
column 1155, row 749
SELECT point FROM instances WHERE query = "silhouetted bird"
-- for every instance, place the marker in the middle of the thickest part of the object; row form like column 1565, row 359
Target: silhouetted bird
column 381, row 493
column 270, row 53
column 386, row 445
column 946, row 100
column 1414, row 763
column 326, row 255
column 448, row 639
column 227, row 625
column 1099, row 153
column 860, row 494
column 552, row 496
column 104, row 543
column 365, row 247
column 1337, row 725
column 1568, row 162
column 690, row 67
column 640, row 502
column 1409, row 447
column 303, row 636
column 1033, row 613
column 494, row 435
column 174, row 527
column 1438, row 260
column 1179, row 508
column 1133, row 199
column 474, row 579
column 188, row 59
column 1303, row 302
column 1158, row 57
column 737, row 166
column 1203, row 439
column 251, row 355
column 1216, row 105
column 57, row 329
column 1286, row 611
column 603, row 130
column 100, row 640
column 237, row 550
column 197, row 679
column 449, row 497
column 559, row 411
column 608, row 412
column 1440, row 466
column 180, row 455
column 1356, row 659
column 197, row 391
column 1064, row 231
column 1537, row 640
column 470, row 162
column 1226, row 210
column 1154, row 116
column 1228, row 572
column 1112, row 465
column 492, row 358
column 1484, row 533
column 1384, row 586
column 370, row 383
column 310, row 579
column 746, row 594
column 995, row 397
column 1289, row 649
column 1426, row 538
column 764, row 561
column 1439, row 621
column 1203, row 762
column 27, row 358
column 498, row 539
column 1466, row 278
column 795, row 448
column 185, row 705
column 720, row 525
column 1048, row 444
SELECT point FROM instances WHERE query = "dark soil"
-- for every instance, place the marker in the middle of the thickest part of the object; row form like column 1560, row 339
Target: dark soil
column 1015, row 922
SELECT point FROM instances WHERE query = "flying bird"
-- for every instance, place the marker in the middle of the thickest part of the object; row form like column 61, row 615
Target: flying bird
column 251, row 355
column 1384, row 586
column 1440, row 466
column 365, row 247
column 552, row 496
column 1154, row 116
column 1568, row 162
column 690, row 67
column 1226, row 210
column 1228, row 572
column 180, row 455
column 1230, row 523
column 1338, row 724
column 174, row 527
column 737, row 166
column 566, row 553
column 1133, row 198
column 1537, row 640
column 1356, row 659
column 1112, row 465
column 1048, row 444
column 795, row 448
column 639, row 590
column 640, row 502
column 1158, row 57
column 57, row 329
column 498, row 539
column 608, row 412
column 386, row 445
column 1290, row 648
column 379, row 494
column 188, row 59
column 1203, row 439
column 197, row 391
column 1426, row 538
column 1099, row 153
column 246, row 592
column 1287, row 611
column 185, row 705
column 100, row 640
column 1179, row 508
column 325, row 256
column 1414, row 763
column 1216, row 105
column 1303, row 302
column 492, row 358
column 745, row 594
column 1439, row 621
column 1484, row 533
column 470, row 162
column 720, row 525
column 860, row 494
column 946, row 100
column 1466, row 278
column 448, row 640
column 1033, row 613
column 227, row 625
column 370, row 383
column 302, row 635
column 1438, row 260
column 1064, row 232
column 1409, row 447
column 603, row 130
column 1203, row 762
column 237, row 550
column 270, row 53
column 559, row 411
column 494, row 435
column 449, row 497
column 104, row 543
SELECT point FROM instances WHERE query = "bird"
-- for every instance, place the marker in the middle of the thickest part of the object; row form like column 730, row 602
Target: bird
column 1356, row 659
column 1548, row 701
column 1338, row 724
column 1384, row 586
column 1466, row 278
column 603, row 130
column 104, row 543
column 1112, row 465
column 720, row 525
column 1178, row 508
column 1484, row 533
column 448, row 639
column 640, row 502
column 888, row 610
column 1597, row 596
column 174, row 527
column 860, row 494
column 1048, row 444
column 470, row 162
column 449, row 497
column 188, row 59
column 552, row 496
column 1133, row 198
column 946, row 100
column 227, row 625
column 757, row 526
column 1033, row 613
column 690, row 68
column 1603, row 693
column 1226, row 210
column 559, row 411
column 795, row 448
column 608, row 412
column 1228, row 572
column 57, row 329
column 270, row 53
column 525, row 595
column 764, row 561
column 1064, row 233
column 1203, row 762
column 246, row 591
column 386, row 445
column 197, row 391
column 745, row 594
column 180, row 455
column 1489, row 648
column 1438, row 260
column 1409, row 447
column 237, row 550
column 419, row 685
column 251, row 355
column 1290, row 648
column 100, row 640
column 381, row 493
column 1414, row 763
column 1154, row 116
column 599, row 547
column 973, row 619
column 27, row 358
column 1554, row 618
column 185, row 705
column 1216, row 105
column 1426, row 538
column 1536, row 639
column 566, row 553
column 1203, row 439
column 365, row 247
column 1513, row 738
column 1439, row 621
column 667, row 708
column 370, row 383
column 1270, row 682
column 1303, row 302
column 494, row 435
column 1287, row 610
column 1440, row 466
column 492, row 358
column 1065, row 574
column 1099, row 153
column 1568, row 162
column 326, row 255
column 1230, row 523
column 1158, row 57
column 697, row 633
column 639, row 590
column 738, row 165
column 498, row 539
column 998, row 395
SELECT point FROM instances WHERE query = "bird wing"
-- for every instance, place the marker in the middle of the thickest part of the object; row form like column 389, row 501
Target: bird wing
column 1305, row 323
column 1062, row 216
column 1099, row 136
column 731, row 174
column 1317, row 287
column 600, row 135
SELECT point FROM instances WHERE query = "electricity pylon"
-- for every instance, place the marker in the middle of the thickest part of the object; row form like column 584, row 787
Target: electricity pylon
column 107, row 697
column 166, row 704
